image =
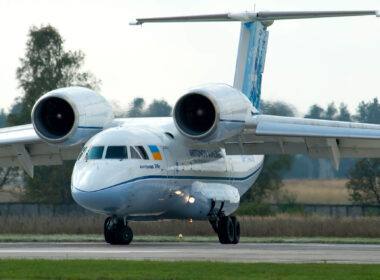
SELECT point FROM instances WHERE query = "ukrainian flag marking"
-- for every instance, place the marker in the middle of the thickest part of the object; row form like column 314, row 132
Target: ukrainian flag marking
column 155, row 152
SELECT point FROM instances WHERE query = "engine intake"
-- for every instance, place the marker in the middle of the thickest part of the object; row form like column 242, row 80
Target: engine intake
column 195, row 114
column 211, row 113
column 54, row 117
column 69, row 116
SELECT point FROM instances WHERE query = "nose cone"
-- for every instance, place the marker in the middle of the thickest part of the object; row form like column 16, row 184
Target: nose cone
column 88, row 176
column 94, row 186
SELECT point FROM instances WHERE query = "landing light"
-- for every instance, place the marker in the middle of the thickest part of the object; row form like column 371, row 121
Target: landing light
column 178, row 192
column 191, row 199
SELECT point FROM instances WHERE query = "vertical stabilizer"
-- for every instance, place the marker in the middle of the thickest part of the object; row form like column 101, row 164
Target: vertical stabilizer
column 254, row 39
column 251, row 59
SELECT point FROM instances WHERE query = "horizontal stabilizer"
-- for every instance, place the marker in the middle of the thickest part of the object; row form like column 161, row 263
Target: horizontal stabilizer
column 257, row 16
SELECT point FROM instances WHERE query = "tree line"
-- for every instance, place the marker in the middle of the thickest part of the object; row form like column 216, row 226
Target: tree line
column 363, row 174
column 47, row 66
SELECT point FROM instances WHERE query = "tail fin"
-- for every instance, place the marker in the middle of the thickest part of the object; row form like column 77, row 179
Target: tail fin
column 251, row 60
column 254, row 39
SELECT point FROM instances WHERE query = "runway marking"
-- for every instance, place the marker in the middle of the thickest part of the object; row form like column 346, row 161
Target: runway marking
column 282, row 253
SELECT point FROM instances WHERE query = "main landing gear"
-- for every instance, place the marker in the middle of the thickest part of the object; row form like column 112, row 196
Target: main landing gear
column 227, row 227
column 117, row 231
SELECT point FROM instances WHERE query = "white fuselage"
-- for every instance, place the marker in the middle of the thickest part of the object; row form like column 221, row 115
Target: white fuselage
column 159, row 186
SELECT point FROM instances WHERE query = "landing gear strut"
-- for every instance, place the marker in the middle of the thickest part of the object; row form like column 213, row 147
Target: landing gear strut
column 227, row 227
column 117, row 231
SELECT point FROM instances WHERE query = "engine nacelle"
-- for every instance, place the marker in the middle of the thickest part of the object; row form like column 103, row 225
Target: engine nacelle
column 69, row 116
column 212, row 112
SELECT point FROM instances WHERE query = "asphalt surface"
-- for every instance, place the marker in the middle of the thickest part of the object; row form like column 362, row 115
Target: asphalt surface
column 244, row 252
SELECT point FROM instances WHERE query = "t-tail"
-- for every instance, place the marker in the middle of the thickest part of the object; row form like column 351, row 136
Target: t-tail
column 254, row 40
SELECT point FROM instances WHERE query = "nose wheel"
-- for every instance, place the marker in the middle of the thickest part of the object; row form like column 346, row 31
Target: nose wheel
column 117, row 231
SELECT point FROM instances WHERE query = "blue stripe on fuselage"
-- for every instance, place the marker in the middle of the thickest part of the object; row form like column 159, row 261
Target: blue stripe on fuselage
column 236, row 121
column 91, row 127
column 176, row 177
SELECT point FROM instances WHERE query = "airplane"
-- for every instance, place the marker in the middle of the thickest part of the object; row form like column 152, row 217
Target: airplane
column 195, row 165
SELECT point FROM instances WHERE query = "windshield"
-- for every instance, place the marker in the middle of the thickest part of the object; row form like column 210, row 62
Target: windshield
column 135, row 154
column 116, row 152
column 82, row 153
column 95, row 152
column 142, row 152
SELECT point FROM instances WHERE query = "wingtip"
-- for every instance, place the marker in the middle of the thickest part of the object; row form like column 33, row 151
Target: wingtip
column 135, row 22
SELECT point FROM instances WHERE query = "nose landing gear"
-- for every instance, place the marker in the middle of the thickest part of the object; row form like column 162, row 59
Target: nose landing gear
column 117, row 231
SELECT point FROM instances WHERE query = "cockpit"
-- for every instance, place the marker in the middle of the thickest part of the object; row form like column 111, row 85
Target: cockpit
column 115, row 163
column 113, row 152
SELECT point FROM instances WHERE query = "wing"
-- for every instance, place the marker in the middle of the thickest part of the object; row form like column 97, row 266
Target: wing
column 20, row 146
column 264, row 134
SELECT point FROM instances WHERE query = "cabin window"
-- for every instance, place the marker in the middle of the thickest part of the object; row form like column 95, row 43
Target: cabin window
column 117, row 152
column 142, row 152
column 95, row 152
column 135, row 154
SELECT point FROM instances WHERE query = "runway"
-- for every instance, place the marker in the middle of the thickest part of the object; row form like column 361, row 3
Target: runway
column 244, row 252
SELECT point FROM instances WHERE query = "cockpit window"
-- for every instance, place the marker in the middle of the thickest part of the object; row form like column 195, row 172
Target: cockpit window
column 142, row 152
column 95, row 152
column 82, row 153
column 117, row 152
column 135, row 154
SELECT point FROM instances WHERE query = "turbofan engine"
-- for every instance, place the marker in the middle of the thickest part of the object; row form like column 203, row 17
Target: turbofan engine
column 212, row 112
column 69, row 116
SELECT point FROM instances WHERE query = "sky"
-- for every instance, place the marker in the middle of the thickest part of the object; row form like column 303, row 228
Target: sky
column 315, row 61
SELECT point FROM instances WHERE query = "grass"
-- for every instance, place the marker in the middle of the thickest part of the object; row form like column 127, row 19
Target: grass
column 118, row 269
column 282, row 225
column 150, row 238
column 314, row 191
column 10, row 194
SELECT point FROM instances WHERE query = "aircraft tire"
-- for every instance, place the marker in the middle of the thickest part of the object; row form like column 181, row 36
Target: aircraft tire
column 236, row 224
column 226, row 230
column 124, row 235
column 109, row 231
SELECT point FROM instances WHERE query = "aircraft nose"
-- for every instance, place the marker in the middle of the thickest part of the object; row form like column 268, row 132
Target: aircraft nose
column 96, row 186
column 96, row 201
column 95, row 176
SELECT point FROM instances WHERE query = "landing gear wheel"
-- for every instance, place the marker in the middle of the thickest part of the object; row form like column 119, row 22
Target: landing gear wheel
column 109, row 234
column 116, row 232
column 236, row 224
column 226, row 230
column 124, row 235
